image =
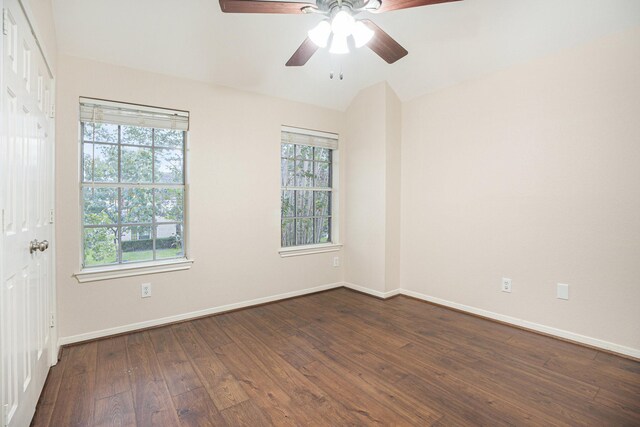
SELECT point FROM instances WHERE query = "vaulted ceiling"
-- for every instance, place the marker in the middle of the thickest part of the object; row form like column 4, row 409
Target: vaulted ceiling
column 447, row 43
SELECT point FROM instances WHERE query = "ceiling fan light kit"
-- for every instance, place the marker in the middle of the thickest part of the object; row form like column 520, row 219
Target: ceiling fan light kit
column 339, row 45
column 320, row 34
column 340, row 25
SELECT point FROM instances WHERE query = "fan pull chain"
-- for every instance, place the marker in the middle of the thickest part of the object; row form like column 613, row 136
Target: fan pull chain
column 341, row 74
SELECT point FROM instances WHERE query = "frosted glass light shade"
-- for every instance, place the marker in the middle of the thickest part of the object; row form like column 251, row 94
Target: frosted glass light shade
column 361, row 34
column 320, row 34
column 342, row 24
column 339, row 45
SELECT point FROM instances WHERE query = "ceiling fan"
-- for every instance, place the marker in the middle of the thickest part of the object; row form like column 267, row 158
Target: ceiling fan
column 339, row 26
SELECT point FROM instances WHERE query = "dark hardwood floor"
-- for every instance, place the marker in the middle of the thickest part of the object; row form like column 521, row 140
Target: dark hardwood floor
column 339, row 358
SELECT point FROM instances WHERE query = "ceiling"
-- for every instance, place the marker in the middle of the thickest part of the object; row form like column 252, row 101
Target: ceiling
column 447, row 43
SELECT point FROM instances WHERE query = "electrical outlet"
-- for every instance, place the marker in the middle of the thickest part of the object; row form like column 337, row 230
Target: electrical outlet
column 336, row 261
column 146, row 290
column 506, row 285
column 562, row 291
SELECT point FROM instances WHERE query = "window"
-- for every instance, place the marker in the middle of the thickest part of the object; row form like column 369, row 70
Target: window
column 306, row 167
column 132, row 183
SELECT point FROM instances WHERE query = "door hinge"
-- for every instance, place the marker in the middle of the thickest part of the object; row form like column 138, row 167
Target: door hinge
column 52, row 321
column 51, row 216
column 52, row 111
column 5, row 21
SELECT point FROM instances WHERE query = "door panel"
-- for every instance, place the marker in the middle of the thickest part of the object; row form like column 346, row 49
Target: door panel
column 26, row 200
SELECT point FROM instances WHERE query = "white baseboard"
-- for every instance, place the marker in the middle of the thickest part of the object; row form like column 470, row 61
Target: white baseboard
column 594, row 342
column 373, row 292
column 469, row 309
column 191, row 315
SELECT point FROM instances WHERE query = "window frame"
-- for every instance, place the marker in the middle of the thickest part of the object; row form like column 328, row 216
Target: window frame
column 133, row 268
column 334, row 168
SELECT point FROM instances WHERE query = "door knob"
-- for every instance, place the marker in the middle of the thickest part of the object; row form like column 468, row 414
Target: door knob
column 35, row 246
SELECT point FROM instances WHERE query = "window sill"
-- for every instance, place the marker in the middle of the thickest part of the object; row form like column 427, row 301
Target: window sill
column 308, row 250
column 119, row 271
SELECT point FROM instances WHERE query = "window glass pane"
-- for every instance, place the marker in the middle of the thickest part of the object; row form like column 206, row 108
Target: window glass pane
column 169, row 138
column 169, row 241
column 287, row 172
column 136, row 243
column 321, row 230
column 137, row 205
column 100, row 205
column 321, row 204
column 168, row 166
column 321, row 154
column 287, row 150
column 105, row 133
column 304, row 231
column 87, row 162
column 136, row 165
column 304, row 174
column 87, row 132
column 136, row 135
column 287, row 203
column 304, row 152
column 304, row 203
column 100, row 246
column 169, row 204
column 288, row 232
column 100, row 163
column 322, row 175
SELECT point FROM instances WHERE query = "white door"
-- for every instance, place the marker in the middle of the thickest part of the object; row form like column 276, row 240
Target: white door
column 26, row 202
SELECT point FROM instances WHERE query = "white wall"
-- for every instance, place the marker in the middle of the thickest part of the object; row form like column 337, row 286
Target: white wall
column 234, row 208
column 532, row 173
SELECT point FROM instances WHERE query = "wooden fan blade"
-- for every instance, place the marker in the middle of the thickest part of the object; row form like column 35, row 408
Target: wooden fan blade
column 384, row 45
column 388, row 5
column 302, row 55
column 257, row 6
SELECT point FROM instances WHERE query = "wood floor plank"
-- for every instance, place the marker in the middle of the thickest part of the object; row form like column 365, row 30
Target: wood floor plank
column 211, row 332
column 599, row 374
column 246, row 414
column 225, row 390
column 178, row 373
column 196, row 409
column 112, row 375
column 115, row 411
column 74, row 406
column 305, row 396
column 385, row 392
column 339, row 358
column 81, row 359
column 262, row 390
column 153, row 404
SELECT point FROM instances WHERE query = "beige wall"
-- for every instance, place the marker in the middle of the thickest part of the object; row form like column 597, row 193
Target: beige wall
column 532, row 173
column 234, row 207
column 393, row 133
column 372, row 217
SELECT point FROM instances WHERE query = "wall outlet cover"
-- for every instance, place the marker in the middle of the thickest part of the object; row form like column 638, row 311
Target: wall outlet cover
column 506, row 284
column 145, row 290
column 563, row 291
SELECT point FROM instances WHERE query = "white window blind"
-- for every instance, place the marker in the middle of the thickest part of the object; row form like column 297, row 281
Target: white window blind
column 312, row 138
column 101, row 111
